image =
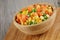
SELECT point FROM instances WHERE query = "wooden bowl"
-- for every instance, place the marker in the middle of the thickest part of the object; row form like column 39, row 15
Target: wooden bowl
column 37, row 28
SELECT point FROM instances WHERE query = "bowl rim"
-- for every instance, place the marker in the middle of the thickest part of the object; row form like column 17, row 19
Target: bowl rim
column 54, row 12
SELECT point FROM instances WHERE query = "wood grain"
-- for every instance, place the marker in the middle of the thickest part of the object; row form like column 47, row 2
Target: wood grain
column 52, row 34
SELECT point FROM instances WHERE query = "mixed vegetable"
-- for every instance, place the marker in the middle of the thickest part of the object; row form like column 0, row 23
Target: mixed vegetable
column 34, row 14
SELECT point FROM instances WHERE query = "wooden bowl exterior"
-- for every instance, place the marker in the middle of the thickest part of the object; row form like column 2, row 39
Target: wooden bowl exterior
column 37, row 29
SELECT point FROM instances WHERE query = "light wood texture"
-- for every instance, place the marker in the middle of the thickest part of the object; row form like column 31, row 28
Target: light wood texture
column 52, row 34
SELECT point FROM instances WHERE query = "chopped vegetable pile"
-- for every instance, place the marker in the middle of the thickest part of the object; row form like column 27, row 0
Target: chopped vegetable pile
column 34, row 14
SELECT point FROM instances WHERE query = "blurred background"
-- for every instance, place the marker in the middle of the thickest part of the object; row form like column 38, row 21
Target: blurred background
column 9, row 7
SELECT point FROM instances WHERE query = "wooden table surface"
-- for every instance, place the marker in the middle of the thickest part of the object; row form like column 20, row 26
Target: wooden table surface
column 52, row 34
column 8, row 9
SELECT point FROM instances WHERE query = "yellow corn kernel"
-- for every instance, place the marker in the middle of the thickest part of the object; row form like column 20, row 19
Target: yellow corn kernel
column 41, row 17
column 25, row 23
column 21, row 23
column 38, row 20
column 38, row 6
column 29, row 19
column 50, row 10
column 25, row 12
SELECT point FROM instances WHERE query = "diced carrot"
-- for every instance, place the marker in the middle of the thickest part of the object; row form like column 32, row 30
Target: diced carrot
column 18, row 16
column 24, row 18
column 39, row 14
column 35, row 14
column 46, row 12
column 23, row 9
column 18, row 21
column 43, row 6
column 32, row 16
column 30, row 8
column 38, row 9
column 50, row 14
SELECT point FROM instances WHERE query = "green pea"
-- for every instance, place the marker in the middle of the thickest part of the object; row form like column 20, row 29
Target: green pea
column 31, row 22
column 29, row 14
column 20, row 12
column 27, row 23
column 35, row 22
column 34, row 10
column 44, row 14
column 45, row 17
